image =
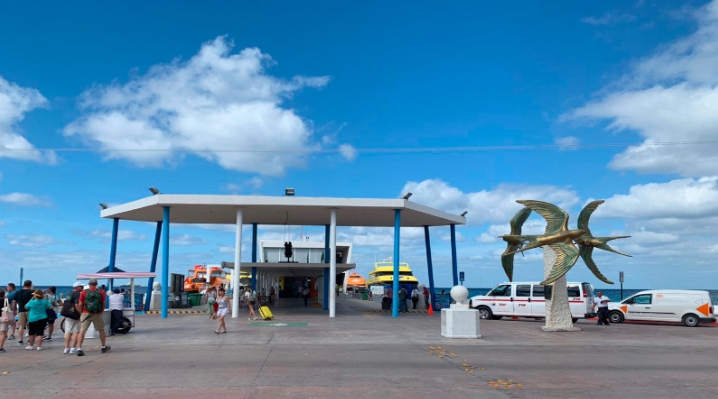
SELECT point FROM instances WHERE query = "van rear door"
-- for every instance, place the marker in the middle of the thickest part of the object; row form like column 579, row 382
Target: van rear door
column 538, row 301
column 522, row 300
column 587, row 294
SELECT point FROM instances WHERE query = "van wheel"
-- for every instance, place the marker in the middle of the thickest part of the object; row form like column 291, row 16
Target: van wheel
column 485, row 312
column 574, row 320
column 691, row 320
column 615, row 317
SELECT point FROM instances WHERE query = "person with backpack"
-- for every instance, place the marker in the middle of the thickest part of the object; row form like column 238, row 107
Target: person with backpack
column 51, row 295
column 251, row 296
column 71, row 312
column 402, row 300
column 92, row 305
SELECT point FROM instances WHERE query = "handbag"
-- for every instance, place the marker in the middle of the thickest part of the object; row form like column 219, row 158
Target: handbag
column 6, row 315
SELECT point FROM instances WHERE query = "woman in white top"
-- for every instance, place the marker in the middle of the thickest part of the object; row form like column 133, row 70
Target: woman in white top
column 222, row 310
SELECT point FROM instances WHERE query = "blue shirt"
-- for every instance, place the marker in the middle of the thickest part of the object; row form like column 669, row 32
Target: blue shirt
column 11, row 296
column 37, row 309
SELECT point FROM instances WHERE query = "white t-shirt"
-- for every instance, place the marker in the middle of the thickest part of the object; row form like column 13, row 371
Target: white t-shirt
column 116, row 301
column 305, row 291
column 598, row 300
column 415, row 293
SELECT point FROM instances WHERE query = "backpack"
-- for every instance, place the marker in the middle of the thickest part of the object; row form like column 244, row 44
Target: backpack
column 93, row 301
column 252, row 296
column 68, row 308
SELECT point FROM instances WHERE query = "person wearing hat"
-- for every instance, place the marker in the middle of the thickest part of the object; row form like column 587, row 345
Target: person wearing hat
column 36, row 319
column 71, row 312
column 92, row 305
column 116, row 305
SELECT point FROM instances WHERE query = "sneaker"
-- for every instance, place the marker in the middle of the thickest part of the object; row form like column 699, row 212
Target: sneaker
column 47, row 338
column 105, row 349
column 80, row 352
column 73, row 351
column 249, row 318
column 66, row 351
column 39, row 349
column 19, row 342
column 29, row 348
column 11, row 337
column 2, row 350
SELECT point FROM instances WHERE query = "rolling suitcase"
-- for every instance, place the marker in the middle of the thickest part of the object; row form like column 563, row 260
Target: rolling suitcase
column 265, row 313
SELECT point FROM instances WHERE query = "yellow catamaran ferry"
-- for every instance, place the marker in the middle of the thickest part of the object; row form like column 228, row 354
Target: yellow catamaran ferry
column 383, row 274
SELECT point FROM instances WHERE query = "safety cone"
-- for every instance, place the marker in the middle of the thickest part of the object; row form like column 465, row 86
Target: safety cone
column 430, row 311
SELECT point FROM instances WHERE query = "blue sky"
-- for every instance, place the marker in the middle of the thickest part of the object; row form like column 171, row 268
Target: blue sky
column 613, row 100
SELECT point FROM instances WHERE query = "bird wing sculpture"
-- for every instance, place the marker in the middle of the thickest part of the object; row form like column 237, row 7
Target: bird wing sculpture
column 514, row 241
column 556, row 218
column 566, row 257
column 586, row 253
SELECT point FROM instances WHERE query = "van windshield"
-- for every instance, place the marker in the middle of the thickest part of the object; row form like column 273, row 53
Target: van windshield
column 502, row 290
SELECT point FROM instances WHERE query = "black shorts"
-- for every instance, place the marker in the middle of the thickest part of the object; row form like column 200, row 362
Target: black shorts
column 51, row 316
column 37, row 328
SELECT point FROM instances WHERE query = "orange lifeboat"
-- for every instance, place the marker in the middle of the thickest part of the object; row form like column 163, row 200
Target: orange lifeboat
column 356, row 281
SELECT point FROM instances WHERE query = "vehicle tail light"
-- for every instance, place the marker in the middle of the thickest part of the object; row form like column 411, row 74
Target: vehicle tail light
column 711, row 310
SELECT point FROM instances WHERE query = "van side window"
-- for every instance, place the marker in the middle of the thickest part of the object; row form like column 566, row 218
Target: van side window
column 642, row 299
column 502, row 290
column 574, row 292
column 523, row 290
column 538, row 291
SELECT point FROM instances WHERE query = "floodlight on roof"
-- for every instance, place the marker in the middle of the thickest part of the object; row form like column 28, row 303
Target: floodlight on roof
column 407, row 196
column 289, row 192
column 154, row 190
column 103, row 205
column 464, row 214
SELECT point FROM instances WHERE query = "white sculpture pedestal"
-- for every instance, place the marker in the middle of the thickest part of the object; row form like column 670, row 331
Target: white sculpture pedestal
column 460, row 321
column 156, row 297
column 558, row 312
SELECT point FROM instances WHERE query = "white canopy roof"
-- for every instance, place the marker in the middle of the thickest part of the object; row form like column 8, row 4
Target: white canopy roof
column 306, row 211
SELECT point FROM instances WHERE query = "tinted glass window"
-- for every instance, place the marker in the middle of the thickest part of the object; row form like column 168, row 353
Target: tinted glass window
column 538, row 291
column 502, row 290
column 642, row 299
column 574, row 292
column 523, row 290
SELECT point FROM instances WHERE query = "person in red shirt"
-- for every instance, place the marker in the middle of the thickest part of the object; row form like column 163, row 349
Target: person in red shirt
column 91, row 306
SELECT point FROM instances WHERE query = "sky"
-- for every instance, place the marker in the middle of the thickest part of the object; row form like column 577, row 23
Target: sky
column 470, row 107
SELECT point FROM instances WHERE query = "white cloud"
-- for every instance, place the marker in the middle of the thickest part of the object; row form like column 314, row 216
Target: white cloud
column 185, row 240
column 122, row 235
column 609, row 18
column 497, row 205
column 254, row 183
column 495, row 230
column 30, row 240
column 15, row 102
column 212, row 104
column 23, row 199
column 567, row 143
column 668, row 97
column 348, row 152
column 2, row 223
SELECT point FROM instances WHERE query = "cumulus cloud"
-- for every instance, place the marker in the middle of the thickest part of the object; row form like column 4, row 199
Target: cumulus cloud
column 15, row 102
column 23, row 199
column 348, row 152
column 567, row 143
column 30, row 240
column 186, row 240
column 213, row 105
column 609, row 18
column 496, row 205
column 122, row 235
column 669, row 98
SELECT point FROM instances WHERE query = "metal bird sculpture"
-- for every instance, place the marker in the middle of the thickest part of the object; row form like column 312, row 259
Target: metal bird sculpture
column 559, row 238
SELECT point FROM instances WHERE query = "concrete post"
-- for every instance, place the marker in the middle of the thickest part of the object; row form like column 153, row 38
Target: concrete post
column 237, row 268
column 333, row 264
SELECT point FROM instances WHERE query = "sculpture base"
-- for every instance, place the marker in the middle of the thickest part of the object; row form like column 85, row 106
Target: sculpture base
column 156, row 300
column 460, row 323
column 560, row 329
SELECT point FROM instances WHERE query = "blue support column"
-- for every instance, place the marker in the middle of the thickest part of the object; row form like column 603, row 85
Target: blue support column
column 325, row 293
column 153, row 266
column 395, row 286
column 113, row 252
column 430, row 265
column 165, row 259
column 454, row 266
column 254, row 256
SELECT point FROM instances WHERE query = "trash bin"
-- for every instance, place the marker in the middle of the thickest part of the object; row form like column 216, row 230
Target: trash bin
column 195, row 299
column 365, row 296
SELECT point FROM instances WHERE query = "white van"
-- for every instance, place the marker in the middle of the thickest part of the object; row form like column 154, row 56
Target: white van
column 690, row 307
column 528, row 300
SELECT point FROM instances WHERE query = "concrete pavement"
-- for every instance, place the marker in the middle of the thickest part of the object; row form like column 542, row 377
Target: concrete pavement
column 363, row 354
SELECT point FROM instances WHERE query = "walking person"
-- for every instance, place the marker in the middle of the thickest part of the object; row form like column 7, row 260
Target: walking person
column 414, row 297
column 10, row 295
column 402, row 300
column 6, row 314
column 426, row 297
column 71, row 312
column 116, row 304
column 36, row 319
column 92, row 305
column 211, row 299
column 22, row 297
column 601, row 302
column 222, row 310
column 51, row 295
column 251, row 297
column 305, row 295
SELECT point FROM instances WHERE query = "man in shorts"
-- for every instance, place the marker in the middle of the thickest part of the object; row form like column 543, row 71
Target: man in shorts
column 72, row 326
column 10, row 295
column 22, row 297
column 92, row 305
